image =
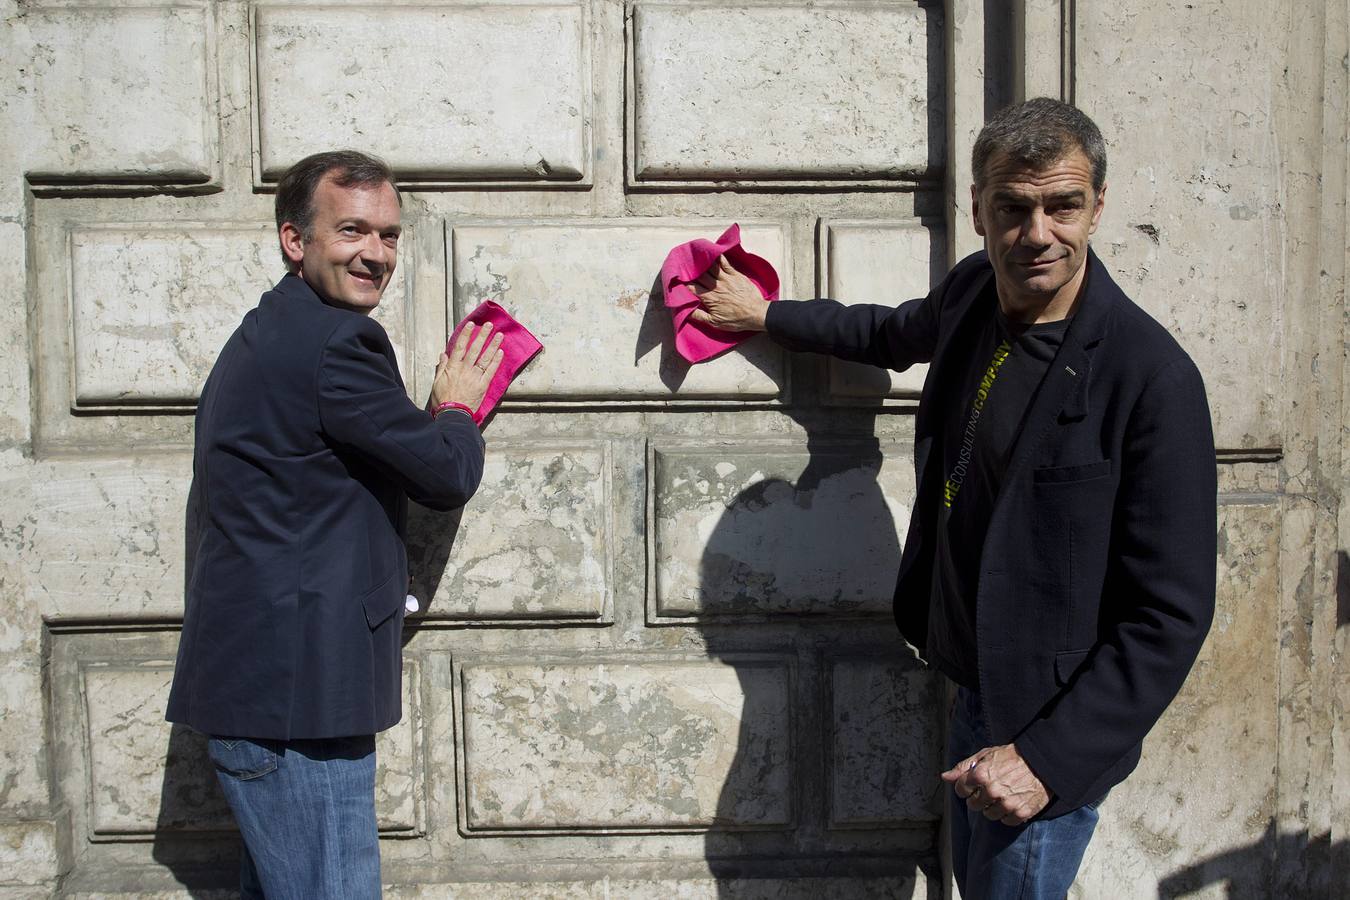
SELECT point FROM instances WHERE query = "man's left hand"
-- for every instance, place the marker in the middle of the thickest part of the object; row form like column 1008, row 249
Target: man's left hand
column 998, row 783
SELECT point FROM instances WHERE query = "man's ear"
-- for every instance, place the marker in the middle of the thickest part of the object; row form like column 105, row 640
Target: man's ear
column 975, row 211
column 292, row 243
column 1097, row 209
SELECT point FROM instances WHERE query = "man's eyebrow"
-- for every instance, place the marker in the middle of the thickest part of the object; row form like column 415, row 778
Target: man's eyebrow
column 1005, row 195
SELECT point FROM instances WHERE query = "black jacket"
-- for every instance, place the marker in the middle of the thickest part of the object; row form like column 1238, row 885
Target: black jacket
column 307, row 449
column 1097, row 576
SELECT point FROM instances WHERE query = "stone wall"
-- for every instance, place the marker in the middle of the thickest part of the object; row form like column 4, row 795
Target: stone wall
column 658, row 660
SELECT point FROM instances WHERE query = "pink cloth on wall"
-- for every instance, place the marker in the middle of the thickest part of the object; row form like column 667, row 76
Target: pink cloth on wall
column 518, row 348
column 694, row 341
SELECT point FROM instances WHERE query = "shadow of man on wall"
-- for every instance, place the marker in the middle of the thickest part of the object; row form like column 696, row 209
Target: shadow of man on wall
column 797, row 575
column 195, row 838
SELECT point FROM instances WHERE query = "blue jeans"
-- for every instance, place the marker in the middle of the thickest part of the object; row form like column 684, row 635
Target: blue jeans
column 306, row 812
column 1008, row 862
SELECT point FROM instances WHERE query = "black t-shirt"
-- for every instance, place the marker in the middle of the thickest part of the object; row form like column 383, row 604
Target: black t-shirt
column 978, row 432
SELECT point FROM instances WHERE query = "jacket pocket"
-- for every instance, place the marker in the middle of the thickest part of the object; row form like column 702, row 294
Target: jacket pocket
column 383, row 601
column 1061, row 474
column 242, row 758
column 1067, row 663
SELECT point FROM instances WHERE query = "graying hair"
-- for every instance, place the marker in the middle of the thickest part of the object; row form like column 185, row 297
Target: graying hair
column 1036, row 134
column 295, row 190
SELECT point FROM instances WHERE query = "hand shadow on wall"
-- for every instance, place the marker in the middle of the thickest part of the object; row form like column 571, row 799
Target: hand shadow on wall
column 778, row 547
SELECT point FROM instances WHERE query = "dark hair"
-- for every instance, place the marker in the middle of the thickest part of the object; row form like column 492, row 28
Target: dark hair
column 295, row 190
column 1037, row 133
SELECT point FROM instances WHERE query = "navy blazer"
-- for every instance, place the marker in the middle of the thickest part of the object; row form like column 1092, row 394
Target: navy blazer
column 1097, row 575
column 307, row 450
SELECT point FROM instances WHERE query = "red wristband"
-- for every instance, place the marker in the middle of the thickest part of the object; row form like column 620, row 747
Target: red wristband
column 451, row 404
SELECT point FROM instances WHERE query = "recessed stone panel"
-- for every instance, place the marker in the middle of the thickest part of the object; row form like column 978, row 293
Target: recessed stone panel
column 585, row 289
column 151, row 306
column 147, row 776
column 627, row 744
column 120, row 95
column 877, row 262
column 534, row 543
column 886, row 743
column 490, row 92
column 748, row 530
column 834, row 91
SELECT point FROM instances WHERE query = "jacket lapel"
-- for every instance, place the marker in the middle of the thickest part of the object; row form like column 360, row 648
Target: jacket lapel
column 1063, row 394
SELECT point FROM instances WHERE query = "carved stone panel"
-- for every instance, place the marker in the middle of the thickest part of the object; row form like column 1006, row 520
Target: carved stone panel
column 490, row 92
column 151, row 306
column 626, row 744
column 120, row 95
column 885, row 742
column 882, row 262
column 789, row 95
column 750, row 529
column 590, row 291
column 535, row 543
column 146, row 776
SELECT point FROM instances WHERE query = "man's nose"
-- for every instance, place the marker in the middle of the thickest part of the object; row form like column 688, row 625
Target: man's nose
column 1036, row 232
column 374, row 252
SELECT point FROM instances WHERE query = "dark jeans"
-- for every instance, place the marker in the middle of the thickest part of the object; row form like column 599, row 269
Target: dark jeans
column 993, row 861
column 306, row 812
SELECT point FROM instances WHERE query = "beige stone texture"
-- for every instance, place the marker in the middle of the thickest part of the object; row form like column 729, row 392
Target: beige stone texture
column 885, row 263
column 536, row 542
column 590, row 292
column 494, row 92
column 657, row 660
column 119, row 95
column 640, row 744
column 837, row 91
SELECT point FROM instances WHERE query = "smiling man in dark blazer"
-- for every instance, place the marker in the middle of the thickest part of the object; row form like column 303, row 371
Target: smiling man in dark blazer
column 1060, row 560
column 307, row 451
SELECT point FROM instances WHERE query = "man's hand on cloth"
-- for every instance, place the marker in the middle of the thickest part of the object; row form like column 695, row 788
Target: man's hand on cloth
column 998, row 783
column 728, row 299
column 464, row 373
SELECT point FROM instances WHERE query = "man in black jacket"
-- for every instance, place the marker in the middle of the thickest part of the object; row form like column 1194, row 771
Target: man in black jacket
column 307, row 450
column 1059, row 564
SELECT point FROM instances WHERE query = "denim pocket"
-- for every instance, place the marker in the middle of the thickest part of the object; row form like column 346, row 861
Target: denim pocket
column 241, row 758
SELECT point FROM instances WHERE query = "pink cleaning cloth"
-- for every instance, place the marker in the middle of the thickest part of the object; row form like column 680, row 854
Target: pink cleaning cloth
column 694, row 341
column 518, row 348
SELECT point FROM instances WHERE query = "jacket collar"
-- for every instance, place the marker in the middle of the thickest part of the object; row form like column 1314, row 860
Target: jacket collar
column 1063, row 395
column 293, row 287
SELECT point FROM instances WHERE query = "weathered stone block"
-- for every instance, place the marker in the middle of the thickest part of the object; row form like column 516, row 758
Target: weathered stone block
column 878, row 262
column 147, row 776
column 885, row 750
column 585, row 289
column 789, row 94
column 535, row 542
column 30, row 854
column 151, row 306
column 1192, row 234
column 626, row 744
column 494, row 92
column 744, row 529
column 120, row 94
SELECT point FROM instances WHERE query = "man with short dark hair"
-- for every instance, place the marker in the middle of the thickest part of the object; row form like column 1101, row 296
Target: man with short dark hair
column 1059, row 565
column 307, row 451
